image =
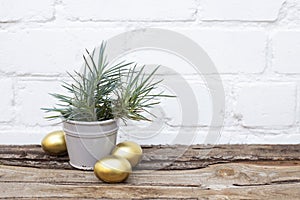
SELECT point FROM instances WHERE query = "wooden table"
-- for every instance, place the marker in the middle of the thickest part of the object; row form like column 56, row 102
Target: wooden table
column 166, row 172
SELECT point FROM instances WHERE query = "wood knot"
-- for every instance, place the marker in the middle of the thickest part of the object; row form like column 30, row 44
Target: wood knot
column 225, row 172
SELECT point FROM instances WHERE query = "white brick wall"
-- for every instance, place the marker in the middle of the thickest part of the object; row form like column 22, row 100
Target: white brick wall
column 278, row 111
column 7, row 100
column 133, row 10
column 255, row 10
column 31, row 95
column 286, row 45
column 254, row 44
column 31, row 10
column 239, row 51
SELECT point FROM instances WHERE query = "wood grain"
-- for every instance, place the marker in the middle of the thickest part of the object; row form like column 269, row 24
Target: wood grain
column 200, row 172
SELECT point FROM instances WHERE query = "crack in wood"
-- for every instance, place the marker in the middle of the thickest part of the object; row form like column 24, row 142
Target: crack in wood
column 293, row 181
column 286, row 181
column 97, row 183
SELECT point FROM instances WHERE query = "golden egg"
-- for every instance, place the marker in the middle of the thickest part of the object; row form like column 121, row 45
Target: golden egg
column 112, row 169
column 54, row 143
column 129, row 150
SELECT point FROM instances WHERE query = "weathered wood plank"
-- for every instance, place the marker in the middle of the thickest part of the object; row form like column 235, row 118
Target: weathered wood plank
column 205, row 172
column 158, row 157
column 212, row 177
column 38, row 190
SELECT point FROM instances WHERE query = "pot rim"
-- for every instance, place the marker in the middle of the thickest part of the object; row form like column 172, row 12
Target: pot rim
column 104, row 122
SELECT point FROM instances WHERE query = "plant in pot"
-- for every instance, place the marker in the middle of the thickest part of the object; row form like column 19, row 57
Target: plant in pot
column 100, row 95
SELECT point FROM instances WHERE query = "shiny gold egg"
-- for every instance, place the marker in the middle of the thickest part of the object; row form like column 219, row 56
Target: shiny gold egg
column 129, row 150
column 112, row 169
column 54, row 143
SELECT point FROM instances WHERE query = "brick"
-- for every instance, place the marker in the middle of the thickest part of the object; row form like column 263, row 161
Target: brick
column 232, row 51
column 32, row 95
column 286, row 52
column 134, row 10
column 47, row 51
column 263, row 136
column 254, row 10
column 36, row 52
column 267, row 104
column 192, row 105
column 31, row 10
column 6, row 101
